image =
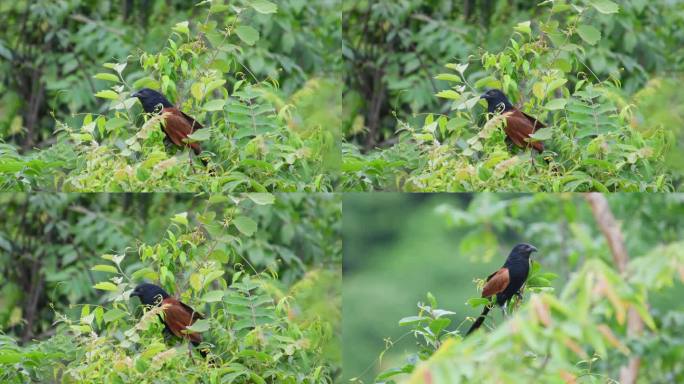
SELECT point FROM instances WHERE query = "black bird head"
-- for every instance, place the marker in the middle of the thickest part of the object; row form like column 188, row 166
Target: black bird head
column 496, row 101
column 522, row 251
column 149, row 294
column 151, row 99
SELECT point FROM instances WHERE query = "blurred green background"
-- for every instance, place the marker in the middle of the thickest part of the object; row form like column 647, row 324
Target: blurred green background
column 398, row 247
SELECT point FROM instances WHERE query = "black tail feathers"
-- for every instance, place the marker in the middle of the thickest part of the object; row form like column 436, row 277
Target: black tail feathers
column 478, row 323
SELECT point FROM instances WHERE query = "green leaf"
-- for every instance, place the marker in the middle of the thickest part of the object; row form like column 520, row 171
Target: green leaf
column 10, row 357
column 105, row 286
column 107, row 77
column 589, row 34
column 477, row 301
column 219, row 255
column 107, row 94
column 245, row 225
column 542, row 134
column 247, row 34
column 605, row 6
column 213, row 296
column 104, row 268
column 524, row 28
column 113, row 315
column 182, row 28
column 449, row 77
column 146, row 82
column 144, row 273
column 449, row 94
column 264, row 6
column 460, row 68
column 262, row 198
column 556, row 104
column 214, row 105
column 437, row 325
column 201, row 325
column 200, row 135
column 181, row 218
column 197, row 91
column 411, row 320
column 115, row 123
column 538, row 89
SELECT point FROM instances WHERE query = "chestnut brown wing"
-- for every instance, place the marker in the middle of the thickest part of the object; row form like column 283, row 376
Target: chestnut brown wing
column 519, row 128
column 496, row 282
column 193, row 123
column 536, row 124
column 177, row 318
column 177, row 128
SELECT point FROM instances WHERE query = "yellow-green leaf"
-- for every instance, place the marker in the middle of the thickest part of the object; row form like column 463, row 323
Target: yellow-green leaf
column 538, row 90
column 105, row 286
column 524, row 27
column 107, row 77
column 107, row 94
column 182, row 28
column 104, row 268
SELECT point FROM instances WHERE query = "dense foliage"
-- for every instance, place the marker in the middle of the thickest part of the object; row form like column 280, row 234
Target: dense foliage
column 263, row 269
column 572, row 325
column 262, row 78
column 581, row 67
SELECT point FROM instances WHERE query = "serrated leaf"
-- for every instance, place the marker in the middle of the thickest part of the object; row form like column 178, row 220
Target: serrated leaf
column 245, row 225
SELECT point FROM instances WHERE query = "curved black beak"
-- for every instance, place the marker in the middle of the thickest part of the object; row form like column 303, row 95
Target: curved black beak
column 483, row 96
column 533, row 248
column 136, row 94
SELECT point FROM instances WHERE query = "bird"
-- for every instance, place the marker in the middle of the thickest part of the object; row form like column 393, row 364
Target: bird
column 177, row 124
column 507, row 281
column 177, row 315
column 519, row 125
